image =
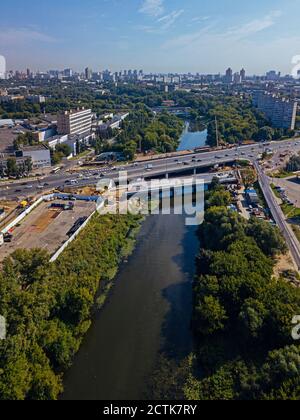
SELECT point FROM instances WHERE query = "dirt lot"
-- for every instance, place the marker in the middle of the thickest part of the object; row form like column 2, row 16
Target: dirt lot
column 45, row 228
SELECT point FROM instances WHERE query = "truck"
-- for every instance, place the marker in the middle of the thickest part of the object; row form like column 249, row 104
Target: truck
column 63, row 206
column 149, row 167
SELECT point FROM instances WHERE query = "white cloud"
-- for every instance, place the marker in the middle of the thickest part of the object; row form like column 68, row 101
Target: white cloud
column 152, row 7
column 215, row 37
column 254, row 26
column 212, row 49
column 20, row 36
column 168, row 20
column 200, row 19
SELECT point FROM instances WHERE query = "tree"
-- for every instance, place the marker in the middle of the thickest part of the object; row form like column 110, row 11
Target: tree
column 265, row 134
column 210, row 315
column 63, row 148
column 266, row 236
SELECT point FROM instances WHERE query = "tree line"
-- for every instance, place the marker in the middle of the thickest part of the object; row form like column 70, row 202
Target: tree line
column 48, row 306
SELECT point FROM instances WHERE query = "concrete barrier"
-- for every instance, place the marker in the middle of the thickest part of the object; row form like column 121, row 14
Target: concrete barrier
column 74, row 236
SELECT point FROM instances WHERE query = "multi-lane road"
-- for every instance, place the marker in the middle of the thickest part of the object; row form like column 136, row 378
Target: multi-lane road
column 291, row 240
column 150, row 168
column 169, row 165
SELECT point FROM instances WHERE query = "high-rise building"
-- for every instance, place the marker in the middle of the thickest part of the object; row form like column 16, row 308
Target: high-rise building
column 229, row 75
column 280, row 111
column 74, row 122
column 243, row 75
column 68, row 73
column 273, row 75
column 237, row 78
column 88, row 73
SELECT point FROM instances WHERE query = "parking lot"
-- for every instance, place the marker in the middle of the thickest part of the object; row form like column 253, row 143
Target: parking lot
column 46, row 227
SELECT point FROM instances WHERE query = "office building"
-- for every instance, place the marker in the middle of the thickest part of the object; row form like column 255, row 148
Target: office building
column 39, row 155
column 280, row 111
column 74, row 122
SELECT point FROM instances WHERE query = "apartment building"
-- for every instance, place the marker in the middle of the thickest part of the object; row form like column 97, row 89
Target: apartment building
column 74, row 122
column 280, row 111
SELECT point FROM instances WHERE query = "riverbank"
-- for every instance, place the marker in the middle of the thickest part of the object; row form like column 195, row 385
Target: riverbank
column 55, row 301
column 147, row 314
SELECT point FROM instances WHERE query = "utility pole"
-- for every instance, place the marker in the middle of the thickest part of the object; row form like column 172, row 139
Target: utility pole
column 217, row 131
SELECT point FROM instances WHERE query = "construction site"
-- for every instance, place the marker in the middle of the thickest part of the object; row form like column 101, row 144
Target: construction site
column 47, row 226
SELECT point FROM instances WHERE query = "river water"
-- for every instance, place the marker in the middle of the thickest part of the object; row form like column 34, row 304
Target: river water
column 148, row 312
column 192, row 139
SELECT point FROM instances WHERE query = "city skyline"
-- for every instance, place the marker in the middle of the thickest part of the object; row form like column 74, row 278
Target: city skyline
column 156, row 35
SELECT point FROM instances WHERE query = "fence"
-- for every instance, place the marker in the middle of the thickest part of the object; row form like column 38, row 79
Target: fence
column 25, row 213
column 74, row 236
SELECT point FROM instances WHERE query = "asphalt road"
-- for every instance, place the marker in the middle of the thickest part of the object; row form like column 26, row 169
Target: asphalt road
column 140, row 170
column 278, row 215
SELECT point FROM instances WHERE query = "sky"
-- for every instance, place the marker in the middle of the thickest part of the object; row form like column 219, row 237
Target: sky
column 202, row 36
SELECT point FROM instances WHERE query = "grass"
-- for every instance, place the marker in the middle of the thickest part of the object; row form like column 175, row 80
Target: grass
column 276, row 192
column 296, row 230
column 81, row 155
column 282, row 175
column 290, row 211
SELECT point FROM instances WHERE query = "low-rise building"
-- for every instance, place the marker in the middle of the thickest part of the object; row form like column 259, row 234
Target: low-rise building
column 39, row 155
column 7, row 123
column 36, row 99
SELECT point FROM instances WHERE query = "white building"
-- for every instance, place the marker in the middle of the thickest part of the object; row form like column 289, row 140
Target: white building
column 280, row 111
column 74, row 122
column 40, row 156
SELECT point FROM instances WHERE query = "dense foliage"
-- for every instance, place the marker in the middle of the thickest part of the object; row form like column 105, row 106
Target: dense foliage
column 14, row 169
column 48, row 306
column 293, row 164
column 144, row 131
column 242, row 315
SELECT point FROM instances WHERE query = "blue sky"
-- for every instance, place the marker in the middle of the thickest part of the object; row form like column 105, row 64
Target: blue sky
column 203, row 36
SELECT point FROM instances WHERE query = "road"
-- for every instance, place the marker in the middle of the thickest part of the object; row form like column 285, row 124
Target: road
column 138, row 170
column 278, row 215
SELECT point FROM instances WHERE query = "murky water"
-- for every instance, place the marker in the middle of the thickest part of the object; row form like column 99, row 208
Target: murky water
column 149, row 311
column 192, row 139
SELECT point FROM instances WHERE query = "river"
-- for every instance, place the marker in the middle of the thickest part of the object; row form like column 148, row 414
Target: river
column 192, row 139
column 149, row 311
